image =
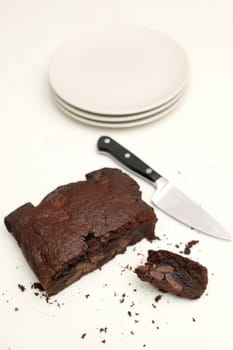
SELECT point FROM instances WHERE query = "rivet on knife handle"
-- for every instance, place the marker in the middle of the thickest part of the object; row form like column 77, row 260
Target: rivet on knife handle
column 127, row 158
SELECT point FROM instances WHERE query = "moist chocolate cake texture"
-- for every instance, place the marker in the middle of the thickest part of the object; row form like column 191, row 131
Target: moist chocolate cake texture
column 174, row 273
column 80, row 226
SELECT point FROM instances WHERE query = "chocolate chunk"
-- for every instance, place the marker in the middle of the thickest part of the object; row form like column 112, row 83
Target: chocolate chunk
column 165, row 268
column 177, row 287
column 156, row 275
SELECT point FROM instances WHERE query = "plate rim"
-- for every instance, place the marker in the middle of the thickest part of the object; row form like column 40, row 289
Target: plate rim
column 100, row 116
column 120, row 119
column 120, row 125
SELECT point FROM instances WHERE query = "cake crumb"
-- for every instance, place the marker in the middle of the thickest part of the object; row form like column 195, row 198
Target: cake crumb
column 103, row 341
column 47, row 298
column 158, row 298
column 21, row 287
column 103, row 329
column 128, row 267
column 83, row 335
column 122, row 298
column 189, row 245
column 140, row 254
column 87, row 296
column 129, row 313
column 37, row 285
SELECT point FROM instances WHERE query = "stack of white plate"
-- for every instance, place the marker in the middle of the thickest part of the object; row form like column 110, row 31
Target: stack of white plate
column 118, row 76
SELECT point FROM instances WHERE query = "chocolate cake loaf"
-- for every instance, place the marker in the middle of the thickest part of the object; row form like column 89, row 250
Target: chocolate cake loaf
column 173, row 273
column 80, row 226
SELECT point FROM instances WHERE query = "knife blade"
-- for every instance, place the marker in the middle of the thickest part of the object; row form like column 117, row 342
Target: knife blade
column 167, row 197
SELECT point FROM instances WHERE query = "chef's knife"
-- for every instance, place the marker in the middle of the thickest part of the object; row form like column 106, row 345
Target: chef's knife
column 167, row 197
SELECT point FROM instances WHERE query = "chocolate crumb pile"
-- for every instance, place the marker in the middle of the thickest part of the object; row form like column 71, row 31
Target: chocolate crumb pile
column 38, row 286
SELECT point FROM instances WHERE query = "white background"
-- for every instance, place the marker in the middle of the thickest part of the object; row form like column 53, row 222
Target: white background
column 41, row 149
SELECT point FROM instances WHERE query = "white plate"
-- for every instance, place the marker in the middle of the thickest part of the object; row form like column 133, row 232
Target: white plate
column 125, row 124
column 118, row 69
column 119, row 118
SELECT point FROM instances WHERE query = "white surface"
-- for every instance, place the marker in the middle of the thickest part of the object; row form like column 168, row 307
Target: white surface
column 118, row 69
column 117, row 124
column 119, row 118
column 41, row 149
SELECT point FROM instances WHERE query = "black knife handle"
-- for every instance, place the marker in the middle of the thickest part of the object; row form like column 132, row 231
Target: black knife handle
column 127, row 158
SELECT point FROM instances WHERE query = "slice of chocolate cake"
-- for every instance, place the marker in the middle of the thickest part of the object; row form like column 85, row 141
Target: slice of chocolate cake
column 173, row 273
column 80, row 226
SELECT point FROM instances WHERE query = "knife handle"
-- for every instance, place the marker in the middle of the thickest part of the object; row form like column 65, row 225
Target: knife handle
column 127, row 158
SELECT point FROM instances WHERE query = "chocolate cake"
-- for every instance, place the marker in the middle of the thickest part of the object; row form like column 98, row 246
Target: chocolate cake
column 173, row 273
column 80, row 226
